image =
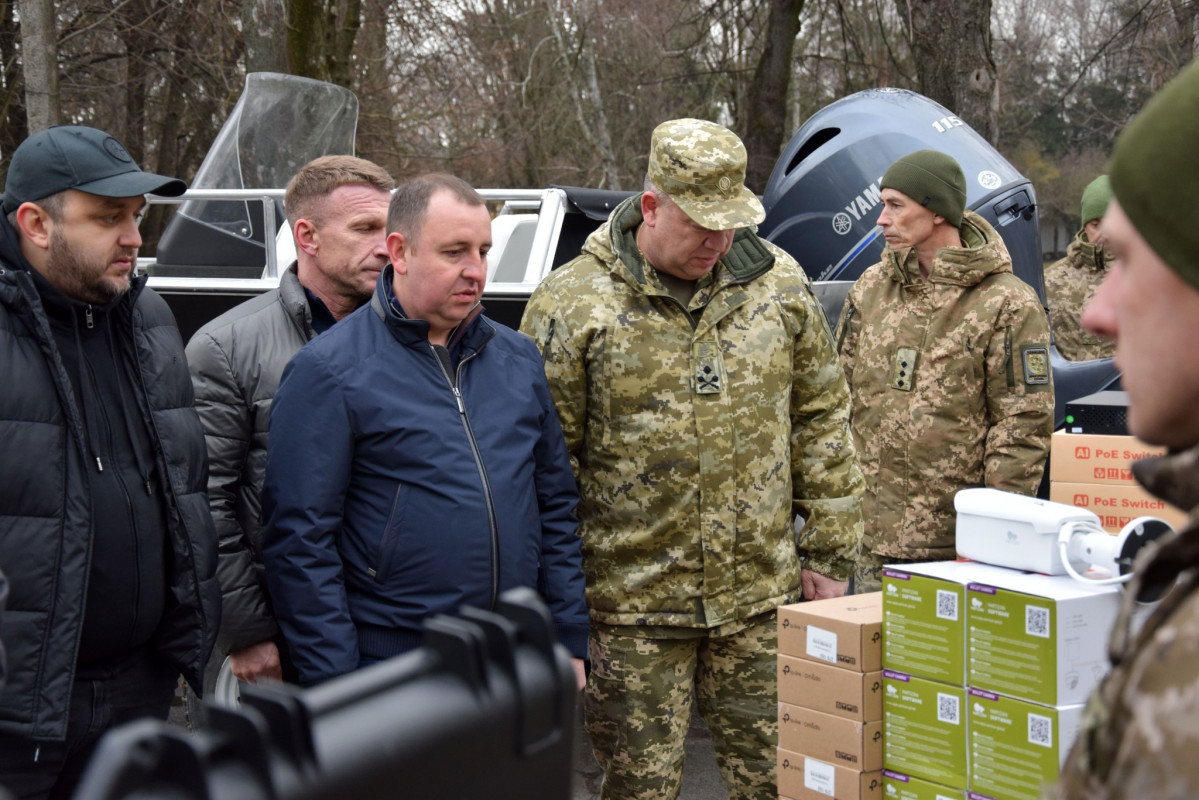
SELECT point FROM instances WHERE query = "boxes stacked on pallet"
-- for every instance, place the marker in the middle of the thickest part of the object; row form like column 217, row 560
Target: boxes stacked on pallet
column 830, row 699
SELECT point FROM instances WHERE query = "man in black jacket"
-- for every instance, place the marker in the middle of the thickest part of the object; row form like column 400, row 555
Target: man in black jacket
column 105, row 533
column 337, row 209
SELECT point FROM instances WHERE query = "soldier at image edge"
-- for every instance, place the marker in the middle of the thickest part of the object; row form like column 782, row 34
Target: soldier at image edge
column 1137, row 738
column 703, row 408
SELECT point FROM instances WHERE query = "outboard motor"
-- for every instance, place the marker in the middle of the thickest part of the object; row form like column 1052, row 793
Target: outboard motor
column 822, row 200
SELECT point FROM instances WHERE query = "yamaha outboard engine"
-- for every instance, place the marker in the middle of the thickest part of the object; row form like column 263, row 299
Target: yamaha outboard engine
column 822, row 200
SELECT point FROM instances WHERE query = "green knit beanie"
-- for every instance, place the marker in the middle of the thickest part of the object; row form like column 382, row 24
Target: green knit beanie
column 1095, row 199
column 932, row 179
column 1155, row 168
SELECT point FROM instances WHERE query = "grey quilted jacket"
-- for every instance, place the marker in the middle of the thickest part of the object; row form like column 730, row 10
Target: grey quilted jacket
column 236, row 361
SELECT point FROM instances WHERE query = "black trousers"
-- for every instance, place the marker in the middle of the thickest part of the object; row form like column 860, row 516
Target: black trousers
column 138, row 687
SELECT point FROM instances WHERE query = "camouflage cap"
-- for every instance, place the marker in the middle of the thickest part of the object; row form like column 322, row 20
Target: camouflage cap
column 701, row 166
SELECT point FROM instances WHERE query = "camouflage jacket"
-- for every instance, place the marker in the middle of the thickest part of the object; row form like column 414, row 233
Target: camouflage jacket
column 1138, row 737
column 1069, row 286
column 951, row 388
column 697, row 433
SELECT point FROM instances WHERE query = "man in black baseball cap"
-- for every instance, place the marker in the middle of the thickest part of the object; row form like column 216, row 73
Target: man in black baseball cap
column 107, row 541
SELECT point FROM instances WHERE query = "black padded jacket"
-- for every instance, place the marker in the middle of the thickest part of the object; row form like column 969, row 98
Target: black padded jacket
column 45, row 507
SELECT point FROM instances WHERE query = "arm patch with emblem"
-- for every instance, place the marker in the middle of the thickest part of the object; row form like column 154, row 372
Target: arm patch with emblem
column 1035, row 360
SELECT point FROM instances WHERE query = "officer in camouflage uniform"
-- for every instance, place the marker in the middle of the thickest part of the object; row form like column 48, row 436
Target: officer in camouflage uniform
column 1139, row 737
column 1071, row 282
column 947, row 355
column 703, row 407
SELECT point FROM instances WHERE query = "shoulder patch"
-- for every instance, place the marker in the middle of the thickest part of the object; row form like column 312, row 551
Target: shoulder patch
column 1035, row 359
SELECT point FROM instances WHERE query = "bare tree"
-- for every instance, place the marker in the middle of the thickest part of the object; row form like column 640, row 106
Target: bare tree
column 39, row 48
column 320, row 38
column 765, row 107
column 951, row 48
column 14, row 125
column 264, row 29
column 571, row 23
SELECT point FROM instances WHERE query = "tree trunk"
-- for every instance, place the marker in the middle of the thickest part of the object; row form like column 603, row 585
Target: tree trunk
column 264, row 28
column 306, row 38
column 343, row 33
column 951, row 46
column 39, row 46
column 766, row 104
column 14, row 127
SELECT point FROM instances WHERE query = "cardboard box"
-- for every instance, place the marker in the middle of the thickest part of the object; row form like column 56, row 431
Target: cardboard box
column 1041, row 638
column 840, row 692
column 1016, row 746
column 924, row 618
column 845, row 742
column 802, row 777
column 924, row 729
column 1116, row 505
column 844, row 631
column 1092, row 458
column 897, row 786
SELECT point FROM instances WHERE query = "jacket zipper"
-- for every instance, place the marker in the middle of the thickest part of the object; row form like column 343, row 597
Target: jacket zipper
column 453, row 382
column 549, row 338
column 1007, row 357
column 845, row 329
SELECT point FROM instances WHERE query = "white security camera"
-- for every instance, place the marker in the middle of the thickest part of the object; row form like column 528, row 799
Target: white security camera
column 1019, row 532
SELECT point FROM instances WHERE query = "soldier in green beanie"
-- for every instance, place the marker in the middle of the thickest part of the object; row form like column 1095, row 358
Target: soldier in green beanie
column 947, row 356
column 1138, row 736
column 1071, row 282
column 703, row 408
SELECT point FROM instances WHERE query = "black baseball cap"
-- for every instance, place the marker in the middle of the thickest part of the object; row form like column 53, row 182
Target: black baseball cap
column 77, row 157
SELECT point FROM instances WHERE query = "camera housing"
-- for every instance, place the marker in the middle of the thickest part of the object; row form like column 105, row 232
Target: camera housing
column 1027, row 533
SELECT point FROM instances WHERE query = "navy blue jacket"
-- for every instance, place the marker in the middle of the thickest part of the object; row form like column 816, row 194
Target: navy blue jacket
column 396, row 489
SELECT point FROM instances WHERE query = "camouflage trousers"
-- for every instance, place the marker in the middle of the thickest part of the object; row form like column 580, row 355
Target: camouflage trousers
column 638, row 706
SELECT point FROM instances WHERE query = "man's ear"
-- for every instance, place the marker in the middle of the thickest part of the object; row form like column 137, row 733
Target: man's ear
column 649, row 208
column 397, row 251
column 35, row 224
column 305, row 234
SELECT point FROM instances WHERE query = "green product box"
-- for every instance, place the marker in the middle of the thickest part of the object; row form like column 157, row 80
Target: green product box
column 1017, row 746
column 924, row 618
column 897, row 786
column 1041, row 638
column 924, row 729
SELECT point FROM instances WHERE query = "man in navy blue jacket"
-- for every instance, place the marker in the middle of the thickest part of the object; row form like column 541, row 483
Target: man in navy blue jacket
column 416, row 463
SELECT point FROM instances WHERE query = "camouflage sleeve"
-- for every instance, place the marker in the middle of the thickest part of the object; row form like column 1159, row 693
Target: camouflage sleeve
column 565, row 370
column 826, row 480
column 1019, row 386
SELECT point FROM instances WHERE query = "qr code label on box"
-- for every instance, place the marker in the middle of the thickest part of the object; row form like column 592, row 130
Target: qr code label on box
column 1036, row 621
column 948, row 708
column 1040, row 730
column 947, row 605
